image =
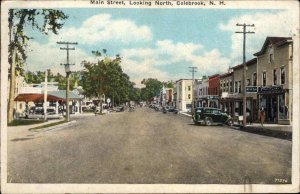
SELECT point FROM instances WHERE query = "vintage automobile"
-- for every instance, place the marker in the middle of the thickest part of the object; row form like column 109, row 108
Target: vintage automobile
column 209, row 116
column 38, row 113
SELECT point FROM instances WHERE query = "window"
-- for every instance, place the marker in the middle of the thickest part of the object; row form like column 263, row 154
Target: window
column 274, row 77
column 20, row 106
column 208, row 111
column 282, row 75
column 248, row 82
column 264, row 78
column 271, row 55
column 189, row 88
column 236, row 86
column 231, row 88
column 216, row 112
column 240, row 86
column 189, row 96
column 254, row 79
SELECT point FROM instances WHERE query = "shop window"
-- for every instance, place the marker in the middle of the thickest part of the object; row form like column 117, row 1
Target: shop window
column 264, row 78
column 282, row 75
column 274, row 77
column 283, row 109
column 254, row 79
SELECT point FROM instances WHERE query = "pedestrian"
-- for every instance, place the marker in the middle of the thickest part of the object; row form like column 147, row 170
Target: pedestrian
column 262, row 116
column 250, row 117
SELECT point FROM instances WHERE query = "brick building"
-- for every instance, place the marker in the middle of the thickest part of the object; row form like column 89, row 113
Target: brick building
column 213, row 91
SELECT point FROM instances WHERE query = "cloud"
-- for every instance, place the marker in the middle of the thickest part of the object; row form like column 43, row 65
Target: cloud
column 280, row 23
column 46, row 56
column 147, row 62
column 103, row 28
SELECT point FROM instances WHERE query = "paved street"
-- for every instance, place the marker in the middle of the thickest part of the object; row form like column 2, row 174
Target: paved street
column 145, row 146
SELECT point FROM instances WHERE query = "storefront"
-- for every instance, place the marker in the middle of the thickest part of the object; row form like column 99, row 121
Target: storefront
column 213, row 101
column 274, row 100
column 201, row 102
column 232, row 104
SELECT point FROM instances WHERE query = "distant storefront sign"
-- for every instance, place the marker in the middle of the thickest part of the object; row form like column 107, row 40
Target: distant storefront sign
column 251, row 89
column 270, row 89
column 212, row 97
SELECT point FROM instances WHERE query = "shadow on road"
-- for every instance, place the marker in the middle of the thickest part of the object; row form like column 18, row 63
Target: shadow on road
column 266, row 132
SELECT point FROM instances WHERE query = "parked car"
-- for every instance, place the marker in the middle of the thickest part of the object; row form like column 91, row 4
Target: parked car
column 38, row 113
column 120, row 109
column 165, row 109
column 209, row 116
column 172, row 109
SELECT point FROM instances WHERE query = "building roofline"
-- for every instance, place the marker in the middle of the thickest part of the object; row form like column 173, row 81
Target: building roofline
column 277, row 41
column 248, row 63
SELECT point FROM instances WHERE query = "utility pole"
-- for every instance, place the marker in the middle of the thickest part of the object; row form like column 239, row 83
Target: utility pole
column 244, row 64
column 193, row 70
column 68, row 72
column 45, row 94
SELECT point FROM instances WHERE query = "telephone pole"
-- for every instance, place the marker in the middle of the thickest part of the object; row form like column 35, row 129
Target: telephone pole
column 193, row 70
column 244, row 64
column 68, row 72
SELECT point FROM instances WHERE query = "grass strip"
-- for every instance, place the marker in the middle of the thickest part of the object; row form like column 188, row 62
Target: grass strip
column 47, row 125
column 25, row 122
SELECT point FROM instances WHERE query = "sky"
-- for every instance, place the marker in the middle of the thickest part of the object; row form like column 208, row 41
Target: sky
column 159, row 43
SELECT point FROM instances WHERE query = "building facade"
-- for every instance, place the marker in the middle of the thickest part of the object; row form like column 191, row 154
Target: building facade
column 202, row 93
column 213, row 91
column 226, row 92
column 184, row 94
column 274, row 79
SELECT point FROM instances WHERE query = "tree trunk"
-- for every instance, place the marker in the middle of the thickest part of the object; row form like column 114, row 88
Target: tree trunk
column 10, row 111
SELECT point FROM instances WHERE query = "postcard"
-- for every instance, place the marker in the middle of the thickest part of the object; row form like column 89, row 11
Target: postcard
column 143, row 96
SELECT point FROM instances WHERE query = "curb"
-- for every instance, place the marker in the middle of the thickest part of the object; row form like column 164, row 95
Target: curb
column 185, row 114
column 57, row 127
column 281, row 134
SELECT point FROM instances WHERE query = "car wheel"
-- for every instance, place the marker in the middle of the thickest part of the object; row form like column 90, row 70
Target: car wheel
column 208, row 121
column 229, row 123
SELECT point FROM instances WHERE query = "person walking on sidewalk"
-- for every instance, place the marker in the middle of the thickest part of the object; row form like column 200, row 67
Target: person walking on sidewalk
column 262, row 116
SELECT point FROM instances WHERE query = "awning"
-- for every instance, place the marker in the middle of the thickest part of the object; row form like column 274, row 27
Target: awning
column 36, row 98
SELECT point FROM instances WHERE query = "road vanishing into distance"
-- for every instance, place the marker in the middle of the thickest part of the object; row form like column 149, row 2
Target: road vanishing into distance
column 145, row 146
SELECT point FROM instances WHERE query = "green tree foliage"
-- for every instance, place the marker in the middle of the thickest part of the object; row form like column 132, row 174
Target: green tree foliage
column 168, row 84
column 39, row 76
column 105, row 78
column 153, row 87
column 42, row 20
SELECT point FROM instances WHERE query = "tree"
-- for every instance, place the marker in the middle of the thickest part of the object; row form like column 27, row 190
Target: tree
column 153, row 87
column 45, row 21
column 106, row 78
column 100, row 77
column 168, row 84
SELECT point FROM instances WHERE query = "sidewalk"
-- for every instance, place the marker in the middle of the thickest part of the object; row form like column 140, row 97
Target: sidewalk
column 272, row 130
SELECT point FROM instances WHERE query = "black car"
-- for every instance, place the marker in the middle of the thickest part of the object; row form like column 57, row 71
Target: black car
column 210, row 116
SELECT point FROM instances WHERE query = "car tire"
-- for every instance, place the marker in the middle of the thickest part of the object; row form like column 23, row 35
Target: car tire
column 208, row 121
column 230, row 123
